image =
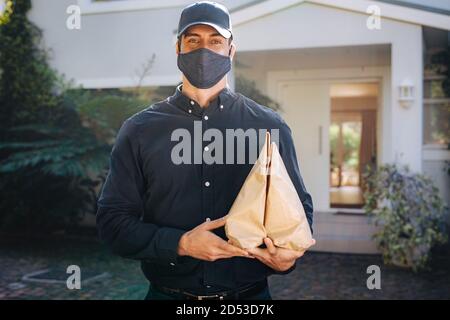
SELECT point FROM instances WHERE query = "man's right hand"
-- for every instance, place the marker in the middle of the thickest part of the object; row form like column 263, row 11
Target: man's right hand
column 203, row 244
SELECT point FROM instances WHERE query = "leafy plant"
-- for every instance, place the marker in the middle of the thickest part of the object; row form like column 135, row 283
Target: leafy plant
column 50, row 175
column 27, row 83
column 57, row 152
column 49, row 162
column 409, row 212
column 249, row 89
column 5, row 11
column 104, row 115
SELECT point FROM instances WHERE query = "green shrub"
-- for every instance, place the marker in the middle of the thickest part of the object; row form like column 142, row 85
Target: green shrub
column 248, row 88
column 105, row 114
column 49, row 162
column 409, row 212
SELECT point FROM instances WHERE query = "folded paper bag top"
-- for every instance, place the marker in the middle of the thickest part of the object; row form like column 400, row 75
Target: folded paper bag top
column 268, row 206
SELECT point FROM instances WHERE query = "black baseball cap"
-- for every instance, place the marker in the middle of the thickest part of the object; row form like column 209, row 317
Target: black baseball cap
column 210, row 13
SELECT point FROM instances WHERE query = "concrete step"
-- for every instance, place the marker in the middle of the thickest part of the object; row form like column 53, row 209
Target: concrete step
column 343, row 233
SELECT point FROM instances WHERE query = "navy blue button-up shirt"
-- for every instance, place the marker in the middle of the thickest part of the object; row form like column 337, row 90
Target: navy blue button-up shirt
column 148, row 201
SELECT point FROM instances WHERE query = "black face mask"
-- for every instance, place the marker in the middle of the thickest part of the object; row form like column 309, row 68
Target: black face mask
column 203, row 67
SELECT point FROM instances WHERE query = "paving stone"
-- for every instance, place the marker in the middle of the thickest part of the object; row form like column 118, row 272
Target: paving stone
column 317, row 275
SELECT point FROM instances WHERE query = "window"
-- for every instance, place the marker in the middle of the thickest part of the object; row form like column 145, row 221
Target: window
column 436, row 90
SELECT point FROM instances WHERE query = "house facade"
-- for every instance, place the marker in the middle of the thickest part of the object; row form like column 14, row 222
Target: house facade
column 355, row 80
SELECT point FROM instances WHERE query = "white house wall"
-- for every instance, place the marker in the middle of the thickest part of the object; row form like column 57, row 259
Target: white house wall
column 112, row 45
column 110, row 48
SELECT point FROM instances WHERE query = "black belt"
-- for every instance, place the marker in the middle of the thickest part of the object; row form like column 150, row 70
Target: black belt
column 242, row 293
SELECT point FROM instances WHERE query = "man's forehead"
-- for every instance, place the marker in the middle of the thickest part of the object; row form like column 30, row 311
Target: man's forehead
column 202, row 29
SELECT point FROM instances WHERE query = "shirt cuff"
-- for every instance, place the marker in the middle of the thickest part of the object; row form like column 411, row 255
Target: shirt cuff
column 168, row 240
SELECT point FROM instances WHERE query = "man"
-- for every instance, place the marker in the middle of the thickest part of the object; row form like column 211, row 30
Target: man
column 169, row 215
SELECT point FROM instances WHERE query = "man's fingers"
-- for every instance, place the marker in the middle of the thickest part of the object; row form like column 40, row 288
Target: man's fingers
column 270, row 246
column 222, row 256
column 229, row 248
column 227, row 254
column 245, row 252
column 261, row 259
column 214, row 224
column 257, row 252
column 232, row 253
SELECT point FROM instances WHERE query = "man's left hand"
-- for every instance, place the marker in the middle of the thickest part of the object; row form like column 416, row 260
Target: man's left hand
column 279, row 259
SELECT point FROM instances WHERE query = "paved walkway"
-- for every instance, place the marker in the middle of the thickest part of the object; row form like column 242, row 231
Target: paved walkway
column 317, row 276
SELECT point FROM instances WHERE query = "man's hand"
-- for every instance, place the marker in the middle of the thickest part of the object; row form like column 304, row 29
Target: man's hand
column 279, row 259
column 203, row 244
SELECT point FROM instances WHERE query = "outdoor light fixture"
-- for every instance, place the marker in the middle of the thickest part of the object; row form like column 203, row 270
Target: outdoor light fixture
column 406, row 93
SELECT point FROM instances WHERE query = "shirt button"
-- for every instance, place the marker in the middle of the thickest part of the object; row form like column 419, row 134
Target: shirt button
column 221, row 106
column 207, row 184
column 206, row 117
column 192, row 102
column 172, row 264
column 208, row 287
column 190, row 111
column 206, row 148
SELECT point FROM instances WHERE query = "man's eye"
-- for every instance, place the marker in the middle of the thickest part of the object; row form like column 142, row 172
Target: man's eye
column 192, row 40
column 216, row 42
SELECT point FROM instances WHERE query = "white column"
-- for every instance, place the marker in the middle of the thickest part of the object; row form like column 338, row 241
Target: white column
column 406, row 123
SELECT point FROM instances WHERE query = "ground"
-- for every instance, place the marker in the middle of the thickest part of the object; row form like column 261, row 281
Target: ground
column 317, row 276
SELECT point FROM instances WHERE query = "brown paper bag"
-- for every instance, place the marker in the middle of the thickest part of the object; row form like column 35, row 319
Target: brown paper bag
column 268, row 206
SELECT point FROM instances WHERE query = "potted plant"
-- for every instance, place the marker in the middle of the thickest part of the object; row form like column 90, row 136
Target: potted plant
column 409, row 212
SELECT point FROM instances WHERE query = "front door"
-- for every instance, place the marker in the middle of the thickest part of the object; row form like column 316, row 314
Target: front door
column 306, row 109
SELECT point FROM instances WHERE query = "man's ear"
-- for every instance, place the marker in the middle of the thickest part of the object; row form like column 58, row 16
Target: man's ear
column 177, row 46
column 232, row 50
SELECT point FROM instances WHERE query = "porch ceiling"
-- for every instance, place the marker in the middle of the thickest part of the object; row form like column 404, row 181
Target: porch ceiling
column 316, row 58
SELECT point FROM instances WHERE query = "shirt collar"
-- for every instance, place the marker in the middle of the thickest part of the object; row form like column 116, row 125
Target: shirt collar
column 224, row 100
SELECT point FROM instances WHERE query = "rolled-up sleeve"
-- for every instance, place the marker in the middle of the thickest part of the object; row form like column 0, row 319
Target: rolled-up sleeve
column 121, row 207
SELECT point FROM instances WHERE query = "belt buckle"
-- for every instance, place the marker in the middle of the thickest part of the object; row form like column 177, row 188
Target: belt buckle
column 210, row 297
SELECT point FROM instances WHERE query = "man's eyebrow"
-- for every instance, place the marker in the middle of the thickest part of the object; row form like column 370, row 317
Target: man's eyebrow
column 192, row 34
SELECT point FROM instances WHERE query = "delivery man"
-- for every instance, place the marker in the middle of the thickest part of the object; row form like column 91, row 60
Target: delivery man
column 170, row 215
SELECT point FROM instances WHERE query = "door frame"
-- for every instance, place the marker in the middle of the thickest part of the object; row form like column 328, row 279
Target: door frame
column 381, row 75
